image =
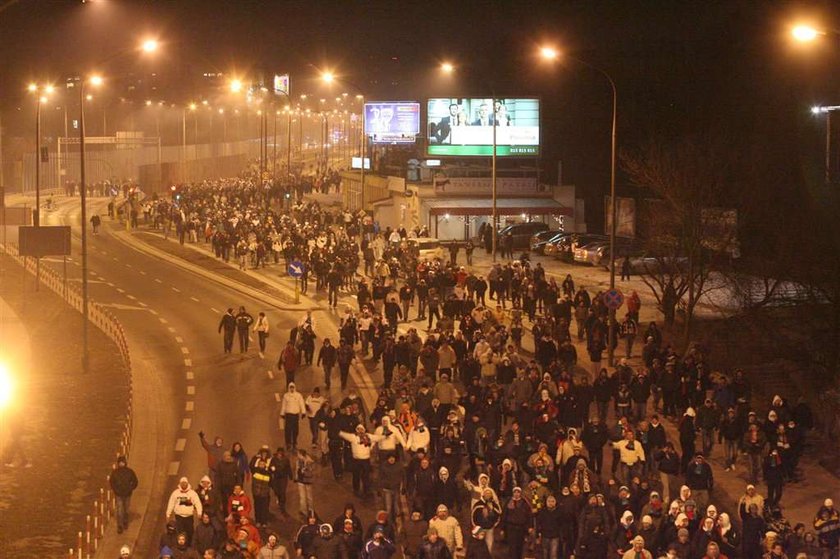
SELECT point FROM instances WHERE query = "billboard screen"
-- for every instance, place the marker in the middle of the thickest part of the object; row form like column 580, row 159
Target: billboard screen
column 465, row 126
column 392, row 122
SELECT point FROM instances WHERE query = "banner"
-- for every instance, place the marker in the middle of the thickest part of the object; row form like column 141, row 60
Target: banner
column 281, row 84
column 625, row 211
column 392, row 122
column 483, row 186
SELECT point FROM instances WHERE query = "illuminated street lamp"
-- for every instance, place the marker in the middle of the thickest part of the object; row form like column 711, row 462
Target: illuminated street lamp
column 551, row 54
column 235, row 85
column 805, row 33
column 149, row 46
column 447, row 68
column 41, row 92
column 328, row 78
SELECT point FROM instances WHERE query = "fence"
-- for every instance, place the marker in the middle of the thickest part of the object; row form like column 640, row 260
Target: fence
column 103, row 507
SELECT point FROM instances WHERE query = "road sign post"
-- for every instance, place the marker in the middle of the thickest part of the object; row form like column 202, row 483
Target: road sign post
column 295, row 270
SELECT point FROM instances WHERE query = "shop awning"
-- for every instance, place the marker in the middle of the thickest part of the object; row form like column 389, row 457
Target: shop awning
column 504, row 206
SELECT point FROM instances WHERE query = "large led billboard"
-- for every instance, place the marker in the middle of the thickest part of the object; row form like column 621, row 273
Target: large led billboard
column 392, row 122
column 465, row 126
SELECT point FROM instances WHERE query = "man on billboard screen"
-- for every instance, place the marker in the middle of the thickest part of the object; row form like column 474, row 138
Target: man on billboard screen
column 465, row 126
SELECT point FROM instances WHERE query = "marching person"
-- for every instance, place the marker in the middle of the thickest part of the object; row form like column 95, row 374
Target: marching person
column 243, row 325
column 292, row 409
column 228, row 324
column 261, row 328
column 123, row 482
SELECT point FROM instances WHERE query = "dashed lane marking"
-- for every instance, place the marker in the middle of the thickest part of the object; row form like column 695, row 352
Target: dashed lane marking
column 176, row 290
column 109, row 284
column 132, row 297
column 270, row 374
column 191, row 390
column 129, row 266
column 190, row 406
column 120, row 290
column 190, row 375
column 194, row 299
column 171, row 329
column 185, row 351
column 142, row 273
column 179, row 339
column 188, row 362
column 173, row 468
column 163, row 320
column 186, row 423
column 157, row 280
column 214, row 310
column 180, row 444
column 144, row 305
column 153, row 311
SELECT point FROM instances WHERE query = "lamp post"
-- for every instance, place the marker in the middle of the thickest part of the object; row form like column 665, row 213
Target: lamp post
column 551, row 54
column 818, row 110
column 41, row 93
column 328, row 78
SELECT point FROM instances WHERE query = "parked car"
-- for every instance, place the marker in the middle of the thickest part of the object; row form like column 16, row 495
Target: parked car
column 567, row 245
column 522, row 232
column 539, row 240
column 429, row 248
column 598, row 254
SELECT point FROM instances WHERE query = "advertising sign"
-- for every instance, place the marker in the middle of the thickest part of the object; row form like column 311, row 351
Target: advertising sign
column 356, row 163
column 465, row 126
column 459, row 186
column 625, row 211
column 281, row 84
column 392, row 122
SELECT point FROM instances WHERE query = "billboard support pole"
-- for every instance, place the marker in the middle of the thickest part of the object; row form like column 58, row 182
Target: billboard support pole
column 364, row 152
column 495, row 214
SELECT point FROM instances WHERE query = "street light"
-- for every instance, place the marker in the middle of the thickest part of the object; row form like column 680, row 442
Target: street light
column 805, row 33
column 551, row 54
column 235, row 85
column 447, row 68
column 149, row 46
column 328, row 77
column 826, row 110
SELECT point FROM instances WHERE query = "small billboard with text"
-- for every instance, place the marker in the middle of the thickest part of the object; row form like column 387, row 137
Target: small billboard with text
column 392, row 122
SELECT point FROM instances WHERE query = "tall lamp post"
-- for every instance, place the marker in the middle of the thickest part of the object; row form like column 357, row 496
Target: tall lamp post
column 328, row 78
column 41, row 92
column 818, row 110
column 551, row 54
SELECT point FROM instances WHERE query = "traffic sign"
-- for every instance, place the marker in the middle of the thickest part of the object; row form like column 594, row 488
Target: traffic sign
column 295, row 268
column 613, row 299
column 265, row 175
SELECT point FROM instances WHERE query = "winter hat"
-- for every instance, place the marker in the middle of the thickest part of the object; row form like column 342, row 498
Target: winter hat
column 682, row 532
column 627, row 517
column 690, row 412
column 443, row 508
column 476, row 531
column 381, row 516
column 639, row 539
column 205, row 478
column 165, row 552
column 646, row 519
column 125, row 551
column 828, row 503
column 121, row 460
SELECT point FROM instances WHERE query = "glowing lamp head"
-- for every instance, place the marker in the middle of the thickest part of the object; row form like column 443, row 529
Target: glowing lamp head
column 149, row 45
column 236, row 86
column 816, row 110
column 49, row 90
column 96, row 81
column 549, row 53
column 804, row 33
column 193, row 106
column 148, row 102
column 32, row 88
column 328, row 77
column 447, row 68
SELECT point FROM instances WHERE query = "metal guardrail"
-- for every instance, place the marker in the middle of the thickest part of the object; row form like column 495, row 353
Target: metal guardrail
column 103, row 507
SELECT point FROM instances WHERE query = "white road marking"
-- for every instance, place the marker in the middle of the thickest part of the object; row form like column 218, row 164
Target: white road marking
column 153, row 311
column 142, row 273
column 176, row 290
column 191, row 390
column 116, row 259
column 214, row 310
column 194, row 299
column 180, row 444
column 132, row 297
column 190, row 406
column 109, row 284
column 186, row 423
column 142, row 304
column 179, row 339
column 171, row 329
column 190, row 375
column 157, row 280
column 120, row 290
column 188, row 362
column 270, row 374
column 173, row 468
column 163, row 320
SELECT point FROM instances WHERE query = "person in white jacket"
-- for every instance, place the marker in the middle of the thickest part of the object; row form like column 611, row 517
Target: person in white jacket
column 361, row 444
column 185, row 505
column 419, row 437
column 391, row 436
column 292, row 409
column 448, row 529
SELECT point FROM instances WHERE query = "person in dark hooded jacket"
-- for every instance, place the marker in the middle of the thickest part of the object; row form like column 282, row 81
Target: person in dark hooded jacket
column 328, row 546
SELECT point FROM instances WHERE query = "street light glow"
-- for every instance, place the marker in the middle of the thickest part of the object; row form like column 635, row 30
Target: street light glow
column 193, row 106
column 447, row 68
column 235, row 86
column 804, row 33
column 149, row 45
column 328, row 77
column 32, row 88
column 549, row 53
column 816, row 110
column 89, row 97
column 96, row 80
column 49, row 89
column 7, row 387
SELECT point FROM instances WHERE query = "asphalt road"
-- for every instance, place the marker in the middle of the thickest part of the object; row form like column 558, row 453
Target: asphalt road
column 171, row 317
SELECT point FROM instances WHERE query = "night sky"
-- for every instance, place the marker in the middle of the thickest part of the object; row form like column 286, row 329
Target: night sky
column 680, row 66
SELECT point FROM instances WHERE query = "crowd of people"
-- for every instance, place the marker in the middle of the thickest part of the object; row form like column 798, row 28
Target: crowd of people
column 488, row 437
